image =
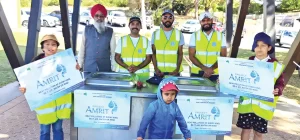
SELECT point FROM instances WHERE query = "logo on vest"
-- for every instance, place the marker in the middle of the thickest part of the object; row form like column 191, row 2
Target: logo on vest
column 172, row 43
column 214, row 44
column 140, row 51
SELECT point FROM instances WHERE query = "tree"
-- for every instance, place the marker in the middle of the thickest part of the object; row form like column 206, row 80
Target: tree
column 25, row 3
column 255, row 8
column 207, row 4
column 289, row 5
column 183, row 7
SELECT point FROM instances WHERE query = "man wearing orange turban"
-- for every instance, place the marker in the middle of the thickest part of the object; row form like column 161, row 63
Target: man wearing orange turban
column 98, row 44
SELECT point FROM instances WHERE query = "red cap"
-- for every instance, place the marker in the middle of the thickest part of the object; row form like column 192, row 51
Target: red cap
column 169, row 86
column 98, row 7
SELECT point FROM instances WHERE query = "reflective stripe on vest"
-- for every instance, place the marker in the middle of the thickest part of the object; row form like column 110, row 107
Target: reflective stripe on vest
column 256, row 102
column 167, row 50
column 207, row 51
column 261, row 108
column 50, row 110
column 134, row 55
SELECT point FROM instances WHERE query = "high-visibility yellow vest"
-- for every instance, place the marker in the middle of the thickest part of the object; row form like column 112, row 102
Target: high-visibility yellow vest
column 54, row 110
column 261, row 108
column 134, row 55
column 167, row 50
column 207, row 51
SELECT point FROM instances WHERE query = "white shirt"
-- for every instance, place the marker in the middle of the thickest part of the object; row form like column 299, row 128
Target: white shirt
column 134, row 42
column 263, row 60
column 81, row 53
column 208, row 36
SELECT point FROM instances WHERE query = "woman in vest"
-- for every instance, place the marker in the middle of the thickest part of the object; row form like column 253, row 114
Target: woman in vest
column 253, row 113
column 52, row 113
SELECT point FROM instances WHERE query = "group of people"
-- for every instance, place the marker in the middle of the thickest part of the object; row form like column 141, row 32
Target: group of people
column 134, row 52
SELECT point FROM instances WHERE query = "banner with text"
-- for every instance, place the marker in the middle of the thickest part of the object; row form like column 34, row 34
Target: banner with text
column 49, row 78
column 102, row 109
column 206, row 115
column 253, row 79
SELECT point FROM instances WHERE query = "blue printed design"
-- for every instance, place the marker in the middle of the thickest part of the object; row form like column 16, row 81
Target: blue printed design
column 216, row 112
column 140, row 50
column 172, row 43
column 61, row 68
column 214, row 44
column 114, row 106
column 255, row 75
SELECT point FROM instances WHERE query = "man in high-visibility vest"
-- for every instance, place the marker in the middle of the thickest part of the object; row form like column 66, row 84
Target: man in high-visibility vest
column 133, row 51
column 206, row 45
column 167, row 43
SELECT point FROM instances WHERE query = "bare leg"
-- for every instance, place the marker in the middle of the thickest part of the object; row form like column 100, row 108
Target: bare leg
column 245, row 135
column 258, row 136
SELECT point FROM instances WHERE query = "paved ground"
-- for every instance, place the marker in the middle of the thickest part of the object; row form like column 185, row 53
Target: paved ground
column 17, row 122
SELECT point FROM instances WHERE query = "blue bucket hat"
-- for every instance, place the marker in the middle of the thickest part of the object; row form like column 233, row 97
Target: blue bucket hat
column 264, row 38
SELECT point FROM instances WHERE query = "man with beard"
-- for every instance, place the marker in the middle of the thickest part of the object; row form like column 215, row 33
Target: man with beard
column 206, row 45
column 133, row 52
column 167, row 45
column 98, row 44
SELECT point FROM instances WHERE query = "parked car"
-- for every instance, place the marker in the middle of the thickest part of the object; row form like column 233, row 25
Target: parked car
column 233, row 30
column 288, row 36
column 149, row 22
column 117, row 17
column 46, row 20
column 85, row 17
column 191, row 25
column 280, row 29
column 57, row 14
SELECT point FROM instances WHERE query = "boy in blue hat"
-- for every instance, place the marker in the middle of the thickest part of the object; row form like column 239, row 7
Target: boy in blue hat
column 253, row 113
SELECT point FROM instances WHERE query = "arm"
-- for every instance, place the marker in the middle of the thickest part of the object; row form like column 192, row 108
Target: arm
column 195, row 61
column 112, row 52
column 81, row 52
column 224, row 47
column 145, row 62
column 279, row 84
column 179, row 59
column 119, row 61
column 154, row 57
column 147, row 118
column 182, row 124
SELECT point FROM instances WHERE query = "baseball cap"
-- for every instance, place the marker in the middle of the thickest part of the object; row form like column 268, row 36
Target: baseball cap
column 169, row 86
column 168, row 11
column 205, row 15
column 135, row 19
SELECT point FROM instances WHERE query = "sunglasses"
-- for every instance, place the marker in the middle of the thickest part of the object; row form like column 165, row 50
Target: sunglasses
column 168, row 17
column 99, row 16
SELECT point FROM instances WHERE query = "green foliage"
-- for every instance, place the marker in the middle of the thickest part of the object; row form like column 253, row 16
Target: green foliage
column 255, row 8
column 288, row 5
column 87, row 2
column 25, row 3
column 183, row 7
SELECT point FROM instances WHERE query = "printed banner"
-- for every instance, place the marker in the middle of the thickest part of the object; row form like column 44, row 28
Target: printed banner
column 253, row 79
column 102, row 109
column 49, row 78
column 206, row 115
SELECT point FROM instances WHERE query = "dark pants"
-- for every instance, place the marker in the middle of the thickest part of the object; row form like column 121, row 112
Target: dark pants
column 167, row 73
column 212, row 78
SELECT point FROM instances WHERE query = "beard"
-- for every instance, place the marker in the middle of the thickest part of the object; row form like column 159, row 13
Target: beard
column 205, row 28
column 100, row 26
column 168, row 25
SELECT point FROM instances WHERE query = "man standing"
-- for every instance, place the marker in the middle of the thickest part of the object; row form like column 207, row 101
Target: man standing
column 98, row 44
column 133, row 52
column 206, row 45
column 167, row 43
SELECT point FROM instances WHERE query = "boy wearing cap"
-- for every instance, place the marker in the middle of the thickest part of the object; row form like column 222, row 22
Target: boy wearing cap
column 253, row 113
column 162, row 114
column 46, row 115
column 133, row 52
column 167, row 45
column 206, row 45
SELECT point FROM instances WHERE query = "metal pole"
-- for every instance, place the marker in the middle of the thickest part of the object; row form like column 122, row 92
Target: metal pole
column 269, row 21
column 9, row 43
column 229, row 22
column 75, row 20
column 143, row 10
column 65, row 23
column 34, row 27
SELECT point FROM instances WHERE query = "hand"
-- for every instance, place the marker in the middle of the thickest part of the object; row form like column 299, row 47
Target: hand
column 188, row 139
column 218, row 81
column 174, row 73
column 139, row 138
column 134, row 68
column 77, row 66
column 159, row 73
column 22, row 90
column 276, row 91
column 208, row 72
